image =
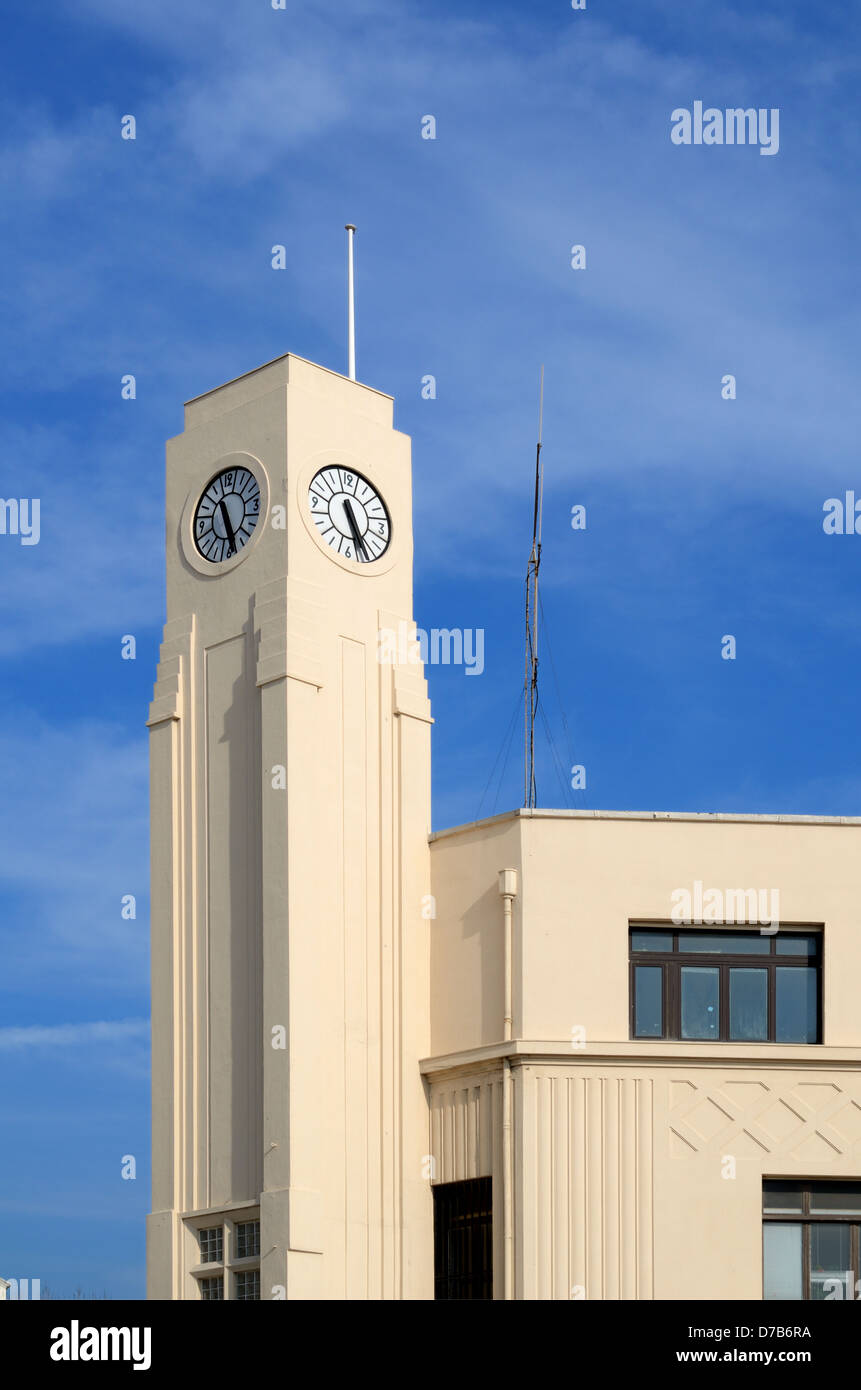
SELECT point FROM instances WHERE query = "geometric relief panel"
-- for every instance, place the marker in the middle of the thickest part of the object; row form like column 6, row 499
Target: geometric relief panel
column 811, row 1121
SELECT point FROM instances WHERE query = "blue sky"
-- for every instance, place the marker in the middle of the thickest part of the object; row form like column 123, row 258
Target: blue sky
column 704, row 517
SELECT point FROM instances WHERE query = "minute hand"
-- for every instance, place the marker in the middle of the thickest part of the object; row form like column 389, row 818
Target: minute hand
column 361, row 548
column 226, row 517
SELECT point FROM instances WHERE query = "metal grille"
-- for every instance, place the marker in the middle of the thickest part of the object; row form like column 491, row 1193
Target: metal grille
column 463, row 1239
column 247, row 1285
column 247, row 1239
column 211, row 1290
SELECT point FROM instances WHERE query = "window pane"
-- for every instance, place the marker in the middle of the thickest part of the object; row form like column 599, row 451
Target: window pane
column 781, row 1260
column 738, row 943
column 648, row 1001
column 748, row 1005
column 829, row 1260
column 247, row 1239
column 781, row 1196
column 837, row 1198
column 796, row 1004
column 797, row 944
column 651, row 941
column 247, row 1286
column 700, row 998
column 211, row 1245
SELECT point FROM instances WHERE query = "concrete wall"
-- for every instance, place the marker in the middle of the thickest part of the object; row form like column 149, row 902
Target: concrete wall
column 290, row 814
column 584, row 878
column 638, row 1166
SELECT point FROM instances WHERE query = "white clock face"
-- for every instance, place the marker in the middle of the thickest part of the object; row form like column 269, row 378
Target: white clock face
column 350, row 514
column 227, row 514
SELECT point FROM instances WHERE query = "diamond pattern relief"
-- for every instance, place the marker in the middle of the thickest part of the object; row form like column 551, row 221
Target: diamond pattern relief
column 812, row 1121
column 848, row 1121
column 780, row 1119
column 707, row 1119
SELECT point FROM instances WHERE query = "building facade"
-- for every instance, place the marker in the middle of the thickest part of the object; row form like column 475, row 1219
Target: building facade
column 548, row 1055
column 686, row 1107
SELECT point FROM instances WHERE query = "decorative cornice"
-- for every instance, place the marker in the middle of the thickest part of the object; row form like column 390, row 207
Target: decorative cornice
column 721, row 1055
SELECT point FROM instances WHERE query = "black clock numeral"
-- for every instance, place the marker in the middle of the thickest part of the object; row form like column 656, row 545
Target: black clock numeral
column 219, row 533
column 349, row 514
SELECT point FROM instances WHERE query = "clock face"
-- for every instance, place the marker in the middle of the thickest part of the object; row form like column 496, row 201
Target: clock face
column 350, row 514
column 227, row 514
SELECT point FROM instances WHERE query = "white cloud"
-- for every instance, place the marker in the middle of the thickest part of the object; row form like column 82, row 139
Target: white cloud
column 65, row 1035
column 74, row 840
column 260, row 115
column 96, row 568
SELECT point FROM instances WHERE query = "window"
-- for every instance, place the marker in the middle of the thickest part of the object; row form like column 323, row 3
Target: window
column 247, row 1285
column 211, row 1246
column 811, row 1240
column 463, row 1239
column 247, row 1239
column 725, row 986
column 225, row 1255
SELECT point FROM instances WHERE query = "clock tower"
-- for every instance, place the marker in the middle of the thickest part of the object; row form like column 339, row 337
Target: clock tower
column 290, row 792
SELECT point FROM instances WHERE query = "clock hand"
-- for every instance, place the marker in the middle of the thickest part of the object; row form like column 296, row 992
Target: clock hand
column 354, row 527
column 226, row 516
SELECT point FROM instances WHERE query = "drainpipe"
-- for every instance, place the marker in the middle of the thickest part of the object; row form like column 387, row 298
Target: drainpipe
column 508, row 892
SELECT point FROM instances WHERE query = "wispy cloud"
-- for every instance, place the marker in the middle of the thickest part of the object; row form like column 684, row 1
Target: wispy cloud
column 73, row 843
column 65, row 1035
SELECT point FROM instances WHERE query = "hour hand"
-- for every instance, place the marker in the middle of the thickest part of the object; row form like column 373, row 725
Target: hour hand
column 361, row 548
column 227, row 526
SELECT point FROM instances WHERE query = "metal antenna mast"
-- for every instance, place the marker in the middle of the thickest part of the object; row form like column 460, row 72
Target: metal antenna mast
column 351, row 305
column 530, row 679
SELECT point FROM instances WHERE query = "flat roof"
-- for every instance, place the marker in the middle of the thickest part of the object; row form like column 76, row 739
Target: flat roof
column 283, row 358
column 719, row 817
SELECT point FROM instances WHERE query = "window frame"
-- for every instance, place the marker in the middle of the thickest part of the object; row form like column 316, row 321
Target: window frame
column 238, row 1236
column 805, row 1218
column 205, row 1281
column 671, row 963
column 239, row 1274
column 231, row 1263
column 216, row 1230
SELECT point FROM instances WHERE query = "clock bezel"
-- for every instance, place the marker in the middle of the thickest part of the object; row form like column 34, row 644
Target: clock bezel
column 213, row 569
column 340, row 458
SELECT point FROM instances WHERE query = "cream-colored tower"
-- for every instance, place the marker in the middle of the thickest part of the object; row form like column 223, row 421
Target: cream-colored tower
column 290, row 807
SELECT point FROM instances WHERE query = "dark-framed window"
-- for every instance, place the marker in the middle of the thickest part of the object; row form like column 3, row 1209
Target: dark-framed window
column 701, row 984
column 247, row 1239
column 811, row 1239
column 211, row 1245
column 229, row 1245
column 463, row 1239
column 247, row 1285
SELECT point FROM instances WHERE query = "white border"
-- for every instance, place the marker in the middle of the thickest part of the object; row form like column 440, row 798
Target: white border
column 211, row 569
column 340, row 458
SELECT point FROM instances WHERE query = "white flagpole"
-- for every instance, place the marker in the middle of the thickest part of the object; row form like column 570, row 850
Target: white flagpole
column 351, row 306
